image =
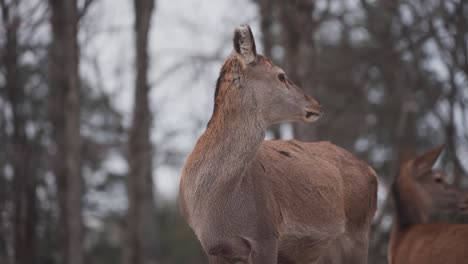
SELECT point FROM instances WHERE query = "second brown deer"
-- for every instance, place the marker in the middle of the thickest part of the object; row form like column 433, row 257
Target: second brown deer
column 418, row 192
column 264, row 202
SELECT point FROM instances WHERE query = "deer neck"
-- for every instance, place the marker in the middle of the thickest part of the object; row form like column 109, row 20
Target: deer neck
column 408, row 210
column 225, row 150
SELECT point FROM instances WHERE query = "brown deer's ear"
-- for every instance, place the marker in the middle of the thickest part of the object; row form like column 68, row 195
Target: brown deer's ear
column 425, row 162
column 244, row 43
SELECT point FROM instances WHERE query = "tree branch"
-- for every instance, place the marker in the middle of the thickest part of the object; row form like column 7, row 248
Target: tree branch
column 83, row 10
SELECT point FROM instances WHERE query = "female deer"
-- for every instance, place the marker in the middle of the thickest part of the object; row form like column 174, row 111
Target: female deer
column 255, row 201
column 419, row 191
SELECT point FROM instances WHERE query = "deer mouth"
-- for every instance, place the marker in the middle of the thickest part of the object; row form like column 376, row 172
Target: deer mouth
column 311, row 116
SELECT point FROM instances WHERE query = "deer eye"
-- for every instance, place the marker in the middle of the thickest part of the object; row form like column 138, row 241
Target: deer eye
column 438, row 180
column 282, row 77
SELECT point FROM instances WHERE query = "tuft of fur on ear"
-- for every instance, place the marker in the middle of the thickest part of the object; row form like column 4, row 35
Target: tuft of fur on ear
column 425, row 162
column 244, row 43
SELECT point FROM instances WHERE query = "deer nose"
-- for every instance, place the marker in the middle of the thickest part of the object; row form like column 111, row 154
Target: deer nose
column 315, row 104
column 320, row 110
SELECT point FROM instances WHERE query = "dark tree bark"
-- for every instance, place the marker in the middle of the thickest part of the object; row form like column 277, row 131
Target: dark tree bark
column 24, row 182
column 298, row 26
column 141, row 224
column 266, row 12
column 266, row 22
column 65, row 113
column 451, row 133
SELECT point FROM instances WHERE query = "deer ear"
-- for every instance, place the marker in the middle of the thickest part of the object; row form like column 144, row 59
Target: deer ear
column 425, row 162
column 244, row 43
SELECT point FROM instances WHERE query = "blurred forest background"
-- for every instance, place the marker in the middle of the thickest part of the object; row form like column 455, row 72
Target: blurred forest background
column 102, row 100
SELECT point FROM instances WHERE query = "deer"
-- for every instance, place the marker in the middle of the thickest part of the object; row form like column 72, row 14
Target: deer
column 250, row 200
column 419, row 192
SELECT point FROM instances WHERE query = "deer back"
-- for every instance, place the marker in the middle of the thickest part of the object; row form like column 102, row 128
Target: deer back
column 317, row 184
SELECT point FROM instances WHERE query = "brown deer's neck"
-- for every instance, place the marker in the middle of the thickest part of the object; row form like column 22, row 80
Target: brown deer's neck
column 409, row 210
column 226, row 148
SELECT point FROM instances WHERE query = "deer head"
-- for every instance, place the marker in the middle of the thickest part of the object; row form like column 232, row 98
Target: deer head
column 421, row 191
column 251, row 83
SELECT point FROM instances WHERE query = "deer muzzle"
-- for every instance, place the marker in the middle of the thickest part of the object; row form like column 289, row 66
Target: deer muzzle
column 314, row 111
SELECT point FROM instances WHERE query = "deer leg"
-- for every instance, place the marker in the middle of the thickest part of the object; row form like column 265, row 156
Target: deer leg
column 215, row 260
column 230, row 251
column 265, row 252
column 224, row 260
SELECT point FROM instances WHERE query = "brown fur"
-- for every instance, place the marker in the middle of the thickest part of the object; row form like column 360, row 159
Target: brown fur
column 419, row 192
column 255, row 201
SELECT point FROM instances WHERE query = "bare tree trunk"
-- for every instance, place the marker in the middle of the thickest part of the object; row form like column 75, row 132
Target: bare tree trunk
column 451, row 133
column 65, row 114
column 266, row 21
column 141, row 224
column 298, row 27
column 266, row 8
column 23, row 182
